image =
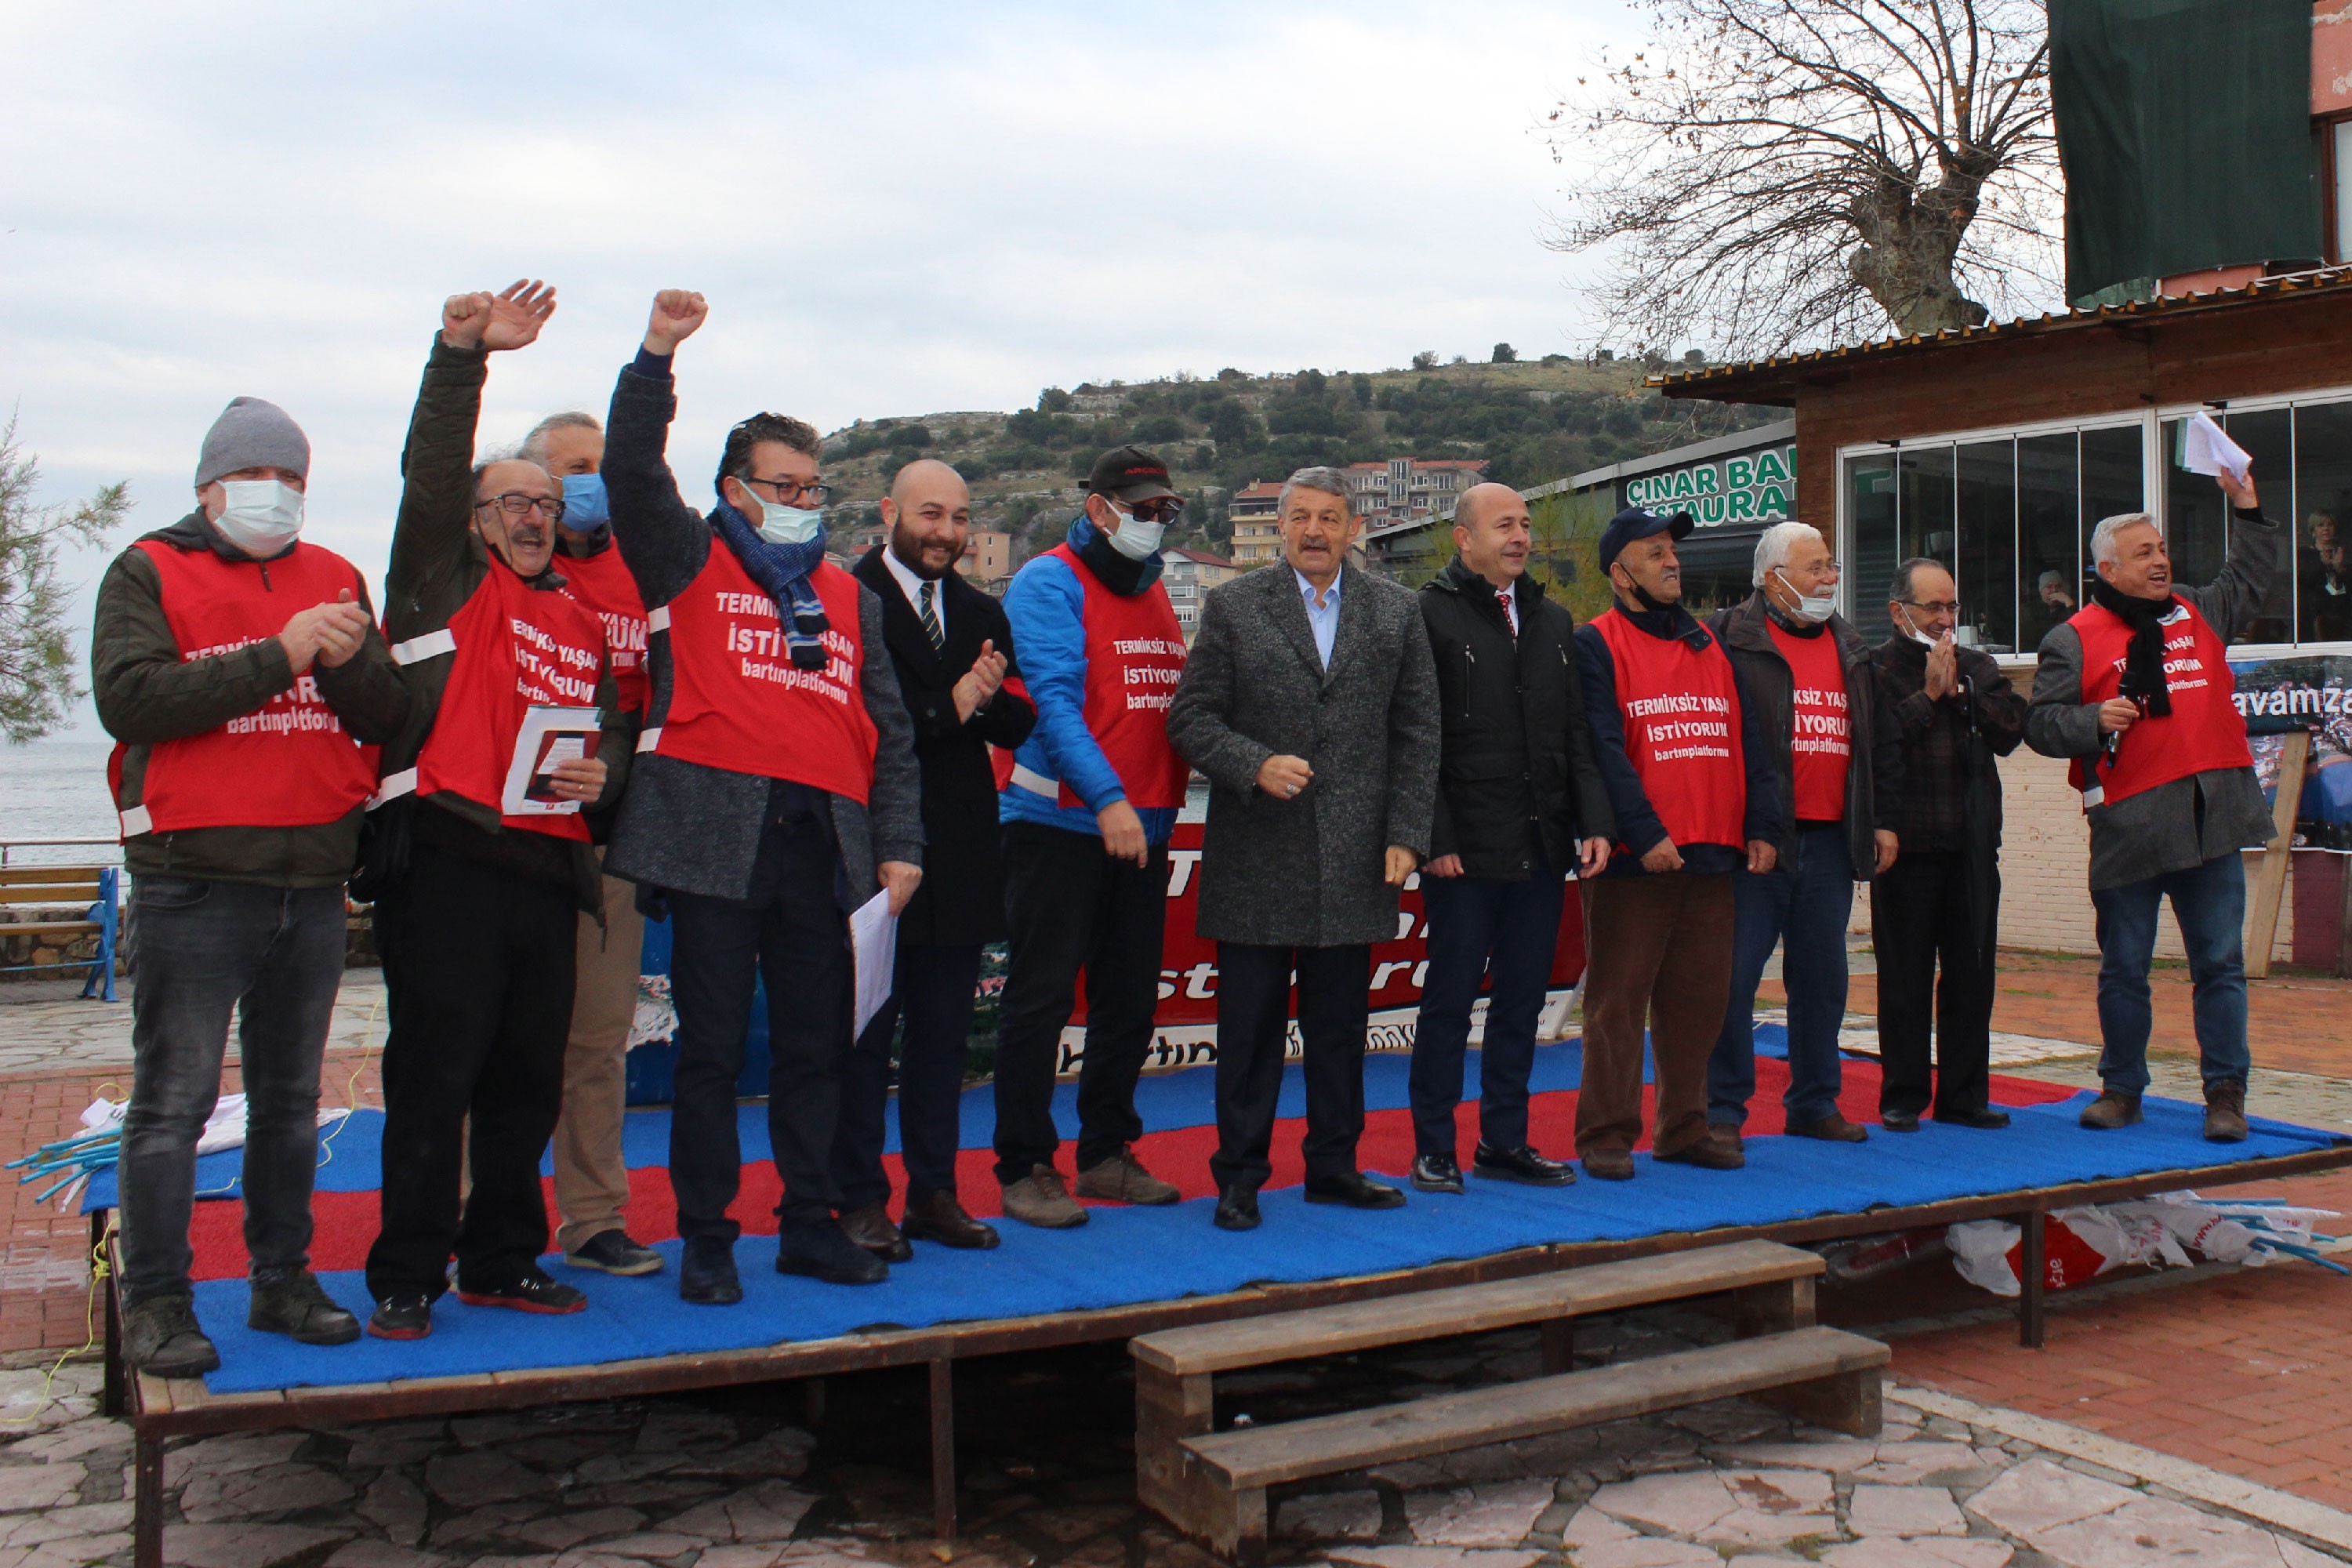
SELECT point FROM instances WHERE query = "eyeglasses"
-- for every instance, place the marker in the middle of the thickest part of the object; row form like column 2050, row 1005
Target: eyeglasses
column 792, row 492
column 516, row 505
column 1162, row 511
column 1933, row 607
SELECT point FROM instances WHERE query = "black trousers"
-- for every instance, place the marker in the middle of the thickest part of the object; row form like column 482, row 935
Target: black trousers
column 1919, row 915
column 932, row 991
column 797, row 939
column 1253, row 1000
column 1070, row 907
column 478, row 982
column 1480, row 927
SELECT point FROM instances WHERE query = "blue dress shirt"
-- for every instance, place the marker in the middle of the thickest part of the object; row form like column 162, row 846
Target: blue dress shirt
column 1322, row 619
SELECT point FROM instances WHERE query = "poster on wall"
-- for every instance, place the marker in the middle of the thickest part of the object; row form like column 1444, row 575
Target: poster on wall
column 2313, row 692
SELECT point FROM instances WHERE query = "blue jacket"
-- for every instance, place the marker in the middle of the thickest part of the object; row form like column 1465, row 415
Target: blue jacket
column 1046, row 604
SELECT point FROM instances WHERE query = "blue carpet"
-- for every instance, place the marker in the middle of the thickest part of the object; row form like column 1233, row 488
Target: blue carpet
column 1128, row 1256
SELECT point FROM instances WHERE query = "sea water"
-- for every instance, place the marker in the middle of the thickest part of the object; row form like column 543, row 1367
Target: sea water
column 54, row 788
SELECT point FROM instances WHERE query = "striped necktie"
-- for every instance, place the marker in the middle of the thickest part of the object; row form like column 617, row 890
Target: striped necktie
column 931, row 620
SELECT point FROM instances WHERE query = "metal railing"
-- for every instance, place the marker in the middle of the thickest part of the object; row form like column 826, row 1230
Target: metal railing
column 110, row 851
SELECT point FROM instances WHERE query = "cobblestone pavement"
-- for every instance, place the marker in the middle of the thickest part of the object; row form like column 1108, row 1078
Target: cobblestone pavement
column 739, row 1480
column 47, row 1027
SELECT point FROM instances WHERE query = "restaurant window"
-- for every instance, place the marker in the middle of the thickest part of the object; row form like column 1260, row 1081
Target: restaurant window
column 2323, row 519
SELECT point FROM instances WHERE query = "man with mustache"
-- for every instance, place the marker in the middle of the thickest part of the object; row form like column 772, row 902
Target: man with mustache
column 1697, row 799
column 2135, row 689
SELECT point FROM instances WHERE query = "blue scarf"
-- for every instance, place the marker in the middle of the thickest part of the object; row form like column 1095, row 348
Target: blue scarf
column 783, row 571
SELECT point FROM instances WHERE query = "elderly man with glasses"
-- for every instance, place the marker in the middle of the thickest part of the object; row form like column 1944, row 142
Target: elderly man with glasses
column 1840, row 769
column 1954, row 711
column 775, row 790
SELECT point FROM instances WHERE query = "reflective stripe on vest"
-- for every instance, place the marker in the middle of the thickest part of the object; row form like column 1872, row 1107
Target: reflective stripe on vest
column 2204, row 731
column 1680, row 705
column 432, row 645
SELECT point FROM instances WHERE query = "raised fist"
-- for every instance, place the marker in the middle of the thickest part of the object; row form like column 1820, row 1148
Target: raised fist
column 509, row 319
column 676, row 314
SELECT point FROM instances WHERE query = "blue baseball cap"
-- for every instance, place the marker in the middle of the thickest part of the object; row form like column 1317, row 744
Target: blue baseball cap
column 1640, row 522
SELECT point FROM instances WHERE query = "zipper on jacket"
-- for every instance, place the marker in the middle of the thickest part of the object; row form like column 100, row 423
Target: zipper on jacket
column 1469, row 678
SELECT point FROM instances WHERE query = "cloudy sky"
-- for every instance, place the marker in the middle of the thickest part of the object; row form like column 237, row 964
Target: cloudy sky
column 894, row 208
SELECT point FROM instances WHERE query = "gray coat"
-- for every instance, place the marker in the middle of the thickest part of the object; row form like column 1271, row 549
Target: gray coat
column 2160, row 830
column 695, row 828
column 1308, row 872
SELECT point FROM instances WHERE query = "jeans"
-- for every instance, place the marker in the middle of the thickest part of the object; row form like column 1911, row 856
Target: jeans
column 2209, row 903
column 1802, row 908
column 1919, row 914
column 1252, row 1034
column 275, row 955
column 932, row 989
column 1071, row 907
column 1480, row 927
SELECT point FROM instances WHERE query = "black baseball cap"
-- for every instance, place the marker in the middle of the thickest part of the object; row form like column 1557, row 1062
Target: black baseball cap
column 1130, row 474
column 1640, row 522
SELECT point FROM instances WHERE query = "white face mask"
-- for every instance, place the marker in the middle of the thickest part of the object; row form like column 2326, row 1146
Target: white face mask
column 1135, row 538
column 260, row 517
column 1811, row 606
column 1913, row 632
column 780, row 525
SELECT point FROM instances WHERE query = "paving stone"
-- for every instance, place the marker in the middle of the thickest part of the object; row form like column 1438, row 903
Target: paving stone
column 1647, row 1551
column 365, row 1553
column 1499, row 1514
column 1728, row 1421
column 38, row 1486
column 656, row 1545
column 771, row 1511
column 1684, row 1503
column 653, row 1492
column 482, row 1476
column 73, row 1439
column 210, row 1499
column 243, row 1545
column 559, row 1531
column 1901, row 1463
column 2296, row 1554
column 606, row 1467
column 758, row 1555
column 1903, row 1510
column 237, row 1451
column 1774, row 1506
column 2038, row 1495
column 1331, row 1516
column 2153, row 1531
column 396, row 1505
column 31, row 1529
column 371, row 1449
column 1434, row 1557
column 674, row 1429
column 488, row 1521
column 784, row 1453
column 1838, row 1455
column 1590, row 1527
column 1070, row 1525
column 1930, row 1551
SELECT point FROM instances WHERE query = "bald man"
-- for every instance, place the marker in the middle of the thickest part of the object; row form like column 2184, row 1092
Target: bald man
column 1520, row 803
column 952, row 648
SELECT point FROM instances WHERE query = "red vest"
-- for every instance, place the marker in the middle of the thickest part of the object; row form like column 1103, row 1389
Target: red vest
column 1821, row 734
column 1681, row 710
column 602, row 583
column 287, row 764
column 516, row 648
column 737, row 700
column 2203, row 732
column 1135, row 656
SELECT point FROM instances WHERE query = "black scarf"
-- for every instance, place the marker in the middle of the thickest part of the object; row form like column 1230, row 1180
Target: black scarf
column 2143, row 680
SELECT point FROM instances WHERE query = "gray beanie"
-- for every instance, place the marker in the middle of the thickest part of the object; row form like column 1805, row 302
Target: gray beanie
column 253, row 434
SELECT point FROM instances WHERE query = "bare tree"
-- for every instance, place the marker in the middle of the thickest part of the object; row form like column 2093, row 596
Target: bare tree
column 1768, row 174
column 36, row 660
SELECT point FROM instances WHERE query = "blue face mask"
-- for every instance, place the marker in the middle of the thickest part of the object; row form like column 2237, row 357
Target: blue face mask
column 586, row 508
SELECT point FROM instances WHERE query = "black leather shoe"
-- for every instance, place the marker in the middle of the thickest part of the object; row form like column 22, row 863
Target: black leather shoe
column 1437, row 1173
column 939, row 1217
column 1355, row 1190
column 824, row 1251
column 293, row 1304
column 533, row 1291
column 1984, row 1117
column 405, row 1317
column 1902, row 1120
column 869, row 1227
column 1237, row 1210
column 706, row 1275
column 1522, row 1165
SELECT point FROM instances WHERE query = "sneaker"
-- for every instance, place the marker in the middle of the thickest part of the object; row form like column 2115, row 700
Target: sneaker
column 1043, row 1199
column 408, row 1316
column 293, row 1304
column 706, row 1274
column 824, row 1251
column 611, row 1252
column 1123, row 1180
column 1437, row 1173
column 869, row 1227
column 1831, row 1129
column 160, row 1337
column 2113, row 1109
column 2225, row 1112
column 533, row 1291
column 1522, row 1165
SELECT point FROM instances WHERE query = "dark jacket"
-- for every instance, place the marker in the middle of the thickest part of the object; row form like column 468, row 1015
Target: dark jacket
column 1309, row 871
column 962, row 899
column 1873, row 778
column 695, row 828
column 1934, row 732
column 1518, row 748
column 1638, row 827
column 147, row 694
column 2189, row 821
column 438, row 562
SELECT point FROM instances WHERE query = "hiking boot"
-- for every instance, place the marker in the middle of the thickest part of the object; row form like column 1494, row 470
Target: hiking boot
column 1123, row 1180
column 1607, row 1165
column 2112, row 1110
column 292, row 1303
column 1831, row 1129
column 1707, row 1153
column 611, row 1252
column 869, row 1227
column 407, row 1316
column 2225, row 1112
column 1042, row 1198
column 824, row 1251
column 939, row 1217
column 530, row 1291
column 160, row 1336
column 1437, row 1173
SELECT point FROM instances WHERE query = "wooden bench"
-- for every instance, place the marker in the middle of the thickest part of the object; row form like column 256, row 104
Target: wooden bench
column 46, row 892
column 1213, row 1485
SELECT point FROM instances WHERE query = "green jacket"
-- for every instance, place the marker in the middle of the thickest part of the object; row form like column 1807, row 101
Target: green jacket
column 147, row 695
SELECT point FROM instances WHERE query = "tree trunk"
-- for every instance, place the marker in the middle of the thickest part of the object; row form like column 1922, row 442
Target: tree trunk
column 1909, row 236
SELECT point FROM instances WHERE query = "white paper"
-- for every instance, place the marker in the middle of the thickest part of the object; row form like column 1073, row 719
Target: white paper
column 572, row 726
column 2208, row 450
column 874, row 937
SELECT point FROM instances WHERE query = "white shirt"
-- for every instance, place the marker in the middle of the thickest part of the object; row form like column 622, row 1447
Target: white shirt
column 912, row 586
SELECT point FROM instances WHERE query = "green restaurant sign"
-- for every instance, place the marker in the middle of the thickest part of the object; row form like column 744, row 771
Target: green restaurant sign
column 1754, row 487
